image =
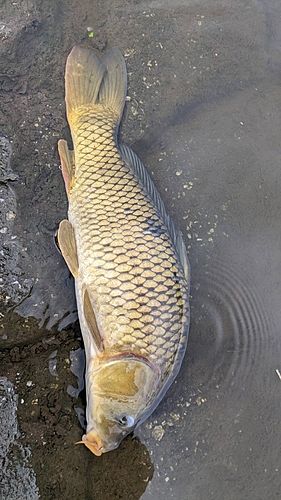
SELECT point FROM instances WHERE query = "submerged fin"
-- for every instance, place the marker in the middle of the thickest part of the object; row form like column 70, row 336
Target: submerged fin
column 67, row 244
column 67, row 164
column 91, row 321
column 138, row 167
column 91, row 81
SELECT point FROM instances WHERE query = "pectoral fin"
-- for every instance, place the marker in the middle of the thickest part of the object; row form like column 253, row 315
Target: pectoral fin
column 67, row 244
column 91, row 321
column 67, row 164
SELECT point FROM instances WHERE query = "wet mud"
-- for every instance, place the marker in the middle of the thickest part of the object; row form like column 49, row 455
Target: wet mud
column 204, row 116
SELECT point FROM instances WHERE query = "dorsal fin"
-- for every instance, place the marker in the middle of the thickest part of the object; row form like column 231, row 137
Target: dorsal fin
column 67, row 244
column 91, row 321
column 138, row 167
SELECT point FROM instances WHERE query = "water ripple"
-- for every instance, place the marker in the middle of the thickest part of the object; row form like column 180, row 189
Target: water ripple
column 240, row 323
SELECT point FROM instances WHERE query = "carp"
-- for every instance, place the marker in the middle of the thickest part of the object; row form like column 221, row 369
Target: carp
column 129, row 262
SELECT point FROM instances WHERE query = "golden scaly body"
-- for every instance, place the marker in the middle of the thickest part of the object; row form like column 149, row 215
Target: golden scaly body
column 128, row 260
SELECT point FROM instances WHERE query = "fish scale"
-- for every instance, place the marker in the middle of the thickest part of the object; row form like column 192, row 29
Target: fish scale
column 98, row 205
column 129, row 262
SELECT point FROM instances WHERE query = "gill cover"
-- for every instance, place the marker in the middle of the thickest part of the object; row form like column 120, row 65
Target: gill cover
column 130, row 377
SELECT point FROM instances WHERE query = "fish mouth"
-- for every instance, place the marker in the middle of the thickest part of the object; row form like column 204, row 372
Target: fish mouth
column 93, row 443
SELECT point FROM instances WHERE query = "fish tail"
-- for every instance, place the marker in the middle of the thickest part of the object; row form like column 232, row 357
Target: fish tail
column 92, row 82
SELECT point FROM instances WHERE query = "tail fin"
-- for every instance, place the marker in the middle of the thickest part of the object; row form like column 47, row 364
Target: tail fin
column 114, row 84
column 89, row 80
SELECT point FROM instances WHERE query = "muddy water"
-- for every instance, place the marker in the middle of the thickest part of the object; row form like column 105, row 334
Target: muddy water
column 204, row 116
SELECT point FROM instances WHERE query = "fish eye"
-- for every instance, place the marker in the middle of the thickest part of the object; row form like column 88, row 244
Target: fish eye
column 126, row 421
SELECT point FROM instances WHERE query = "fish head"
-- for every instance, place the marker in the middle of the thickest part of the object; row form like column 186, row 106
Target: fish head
column 119, row 395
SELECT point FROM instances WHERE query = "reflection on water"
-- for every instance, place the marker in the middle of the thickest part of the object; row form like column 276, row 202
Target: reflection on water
column 77, row 367
column 53, row 363
column 45, row 301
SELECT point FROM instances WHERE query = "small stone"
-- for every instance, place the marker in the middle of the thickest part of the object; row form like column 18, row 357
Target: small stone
column 158, row 432
column 10, row 215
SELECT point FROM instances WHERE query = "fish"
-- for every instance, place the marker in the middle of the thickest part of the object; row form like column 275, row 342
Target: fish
column 129, row 262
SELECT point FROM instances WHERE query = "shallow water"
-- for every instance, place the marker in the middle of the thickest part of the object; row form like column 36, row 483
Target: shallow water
column 204, row 116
